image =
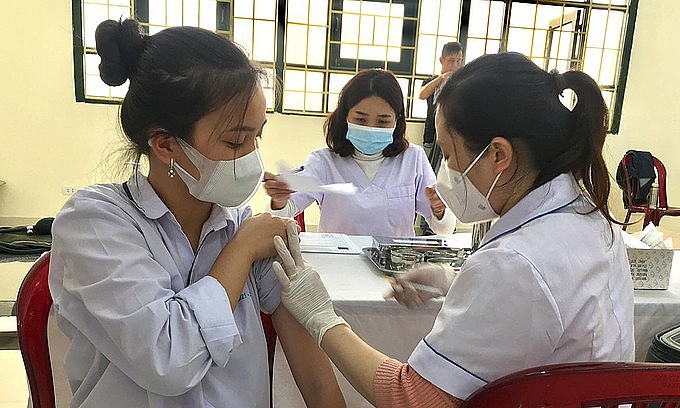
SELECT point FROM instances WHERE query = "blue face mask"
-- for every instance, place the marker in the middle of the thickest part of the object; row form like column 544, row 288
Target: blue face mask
column 369, row 140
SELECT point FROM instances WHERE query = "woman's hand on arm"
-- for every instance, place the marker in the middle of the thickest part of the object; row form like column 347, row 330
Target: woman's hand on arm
column 278, row 190
column 252, row 241
column 310, row 366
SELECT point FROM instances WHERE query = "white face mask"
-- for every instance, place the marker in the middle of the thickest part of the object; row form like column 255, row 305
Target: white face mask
column 229, row 183
column 462, row 197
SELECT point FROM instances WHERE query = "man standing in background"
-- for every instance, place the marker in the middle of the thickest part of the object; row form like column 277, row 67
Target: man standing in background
column 451, row 59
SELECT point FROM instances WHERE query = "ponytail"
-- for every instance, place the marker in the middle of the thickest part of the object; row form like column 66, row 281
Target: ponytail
column 587, row 130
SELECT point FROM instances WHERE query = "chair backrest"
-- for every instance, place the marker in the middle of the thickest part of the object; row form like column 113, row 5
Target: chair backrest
column 300, row 219
column 605, row 385
column 33, row 309
column 661, row 177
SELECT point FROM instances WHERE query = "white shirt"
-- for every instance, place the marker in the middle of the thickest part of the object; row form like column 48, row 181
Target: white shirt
column 388, row 199
column 547, row 286
column 148, row 327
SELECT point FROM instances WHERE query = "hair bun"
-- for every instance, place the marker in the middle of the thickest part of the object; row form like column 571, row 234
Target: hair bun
column 119, row 44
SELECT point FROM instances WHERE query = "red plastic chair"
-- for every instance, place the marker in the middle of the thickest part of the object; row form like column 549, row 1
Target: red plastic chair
column 33, row 308
column 583, row 385
column 652, row 215
column 300, row 219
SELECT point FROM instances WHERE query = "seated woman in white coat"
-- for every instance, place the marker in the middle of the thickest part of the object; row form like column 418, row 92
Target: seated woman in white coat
column 367, row 147
column 550, row 282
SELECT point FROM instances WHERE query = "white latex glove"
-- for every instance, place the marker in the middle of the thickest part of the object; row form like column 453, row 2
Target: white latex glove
column 302, row 291
column 423, row 282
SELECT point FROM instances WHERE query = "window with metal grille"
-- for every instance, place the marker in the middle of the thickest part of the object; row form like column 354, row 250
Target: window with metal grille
column 313, row 47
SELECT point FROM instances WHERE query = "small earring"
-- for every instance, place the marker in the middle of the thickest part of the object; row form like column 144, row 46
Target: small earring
column 171, row 169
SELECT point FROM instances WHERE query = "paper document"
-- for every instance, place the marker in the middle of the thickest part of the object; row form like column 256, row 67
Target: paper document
column 328, row 243
column 306, row 184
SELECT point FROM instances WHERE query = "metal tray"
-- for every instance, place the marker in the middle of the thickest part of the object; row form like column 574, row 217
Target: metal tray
column 382, row 258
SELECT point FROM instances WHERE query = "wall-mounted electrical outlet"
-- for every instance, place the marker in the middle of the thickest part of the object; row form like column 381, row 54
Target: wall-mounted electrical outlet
column 68, row 190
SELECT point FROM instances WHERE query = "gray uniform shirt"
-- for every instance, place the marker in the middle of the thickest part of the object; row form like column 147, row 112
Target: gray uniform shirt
column 148, row 327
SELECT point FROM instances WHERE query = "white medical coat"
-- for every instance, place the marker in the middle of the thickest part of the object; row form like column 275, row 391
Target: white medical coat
column 548, row 285
column 148, row 327
column 384, row 206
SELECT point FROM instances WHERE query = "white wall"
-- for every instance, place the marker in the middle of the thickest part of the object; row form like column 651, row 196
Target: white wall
column 48, row 140
column 651, row 109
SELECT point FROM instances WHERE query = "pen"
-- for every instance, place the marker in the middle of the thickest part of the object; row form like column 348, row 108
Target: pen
column 292, row 171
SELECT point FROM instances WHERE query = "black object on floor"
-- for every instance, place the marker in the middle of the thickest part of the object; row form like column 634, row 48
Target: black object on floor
column 665, row 347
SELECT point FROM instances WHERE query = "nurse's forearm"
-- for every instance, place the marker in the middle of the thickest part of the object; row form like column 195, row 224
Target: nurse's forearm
column 357, row 361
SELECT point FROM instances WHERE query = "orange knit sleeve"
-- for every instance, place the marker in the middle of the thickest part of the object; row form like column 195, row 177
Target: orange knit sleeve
column 397, row 385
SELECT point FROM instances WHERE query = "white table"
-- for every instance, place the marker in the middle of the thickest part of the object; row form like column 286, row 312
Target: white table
column 357, row 288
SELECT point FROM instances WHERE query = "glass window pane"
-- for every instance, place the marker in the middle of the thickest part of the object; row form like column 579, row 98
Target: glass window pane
column 614, row 30
column 523, row 15
column 426, row 54
column 475, row 48
column 174, row 13
column 520, row 40
column 314, row 96
column 93, row 84
column 479, row 18
column 297, row 11
column 404, row 84
column 267, row 84
column 496, row 12
column 93, row 15
column 610, row 64
column 596, row 28
column 263, row 48
column 243, row 8
column 208, row 19
column 294, row 80
column 317, row 46
column 335, row 84
column 243, row 34
column 449, row 14
column 592, row 62
column 119, row 13
column 190, row 17
column 296, row 41
column 265, row 9
column 157, row 12
column 429, row 16
column 318, row 12
column 293, row 100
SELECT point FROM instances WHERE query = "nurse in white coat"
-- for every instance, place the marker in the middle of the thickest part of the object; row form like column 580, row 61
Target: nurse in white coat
column 551, row 281
column 159, row 281
column 367, row 147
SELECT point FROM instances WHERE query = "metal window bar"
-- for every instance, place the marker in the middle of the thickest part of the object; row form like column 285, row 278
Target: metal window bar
column 139, row 8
